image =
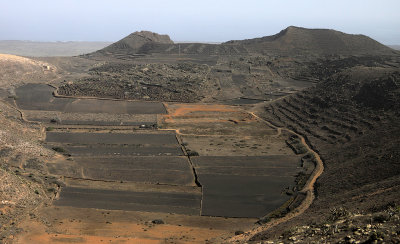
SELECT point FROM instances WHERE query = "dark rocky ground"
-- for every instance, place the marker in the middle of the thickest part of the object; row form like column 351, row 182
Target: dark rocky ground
column 343, row 226
column 149, row 66
column 185, row 82
column 255, row 77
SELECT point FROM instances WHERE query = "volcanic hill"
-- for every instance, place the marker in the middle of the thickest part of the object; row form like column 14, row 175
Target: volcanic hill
column 299, row 41
column 292, row 41
column 136, row 42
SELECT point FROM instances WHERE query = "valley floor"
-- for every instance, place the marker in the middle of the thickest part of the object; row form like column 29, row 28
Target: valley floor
column 175, row 173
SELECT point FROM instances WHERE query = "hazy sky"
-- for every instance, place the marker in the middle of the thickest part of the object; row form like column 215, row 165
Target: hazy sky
column 199, row 20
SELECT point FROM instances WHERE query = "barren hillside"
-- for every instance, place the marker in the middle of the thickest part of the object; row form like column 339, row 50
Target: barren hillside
column 352, row 120
column 292, row 41
column 15, row 70
column 25, row 181
column 299, row 41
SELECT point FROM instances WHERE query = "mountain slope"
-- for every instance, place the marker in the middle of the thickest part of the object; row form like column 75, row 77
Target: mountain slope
column 15, row 70
column 352, row 120
column 295, row 40
column 135, row 41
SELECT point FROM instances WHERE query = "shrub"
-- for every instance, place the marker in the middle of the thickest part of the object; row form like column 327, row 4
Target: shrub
column 301, row 180
column 296, row 145
column 381, row 218
column 310, row 156
column 338, row 213
column 58, row 149
column 192, row 153
column 157, row 221
column 300, row 149
column 376, row 236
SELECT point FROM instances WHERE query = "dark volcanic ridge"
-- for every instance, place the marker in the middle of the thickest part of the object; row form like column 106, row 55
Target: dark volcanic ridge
column 290, row 41
column 296, row 40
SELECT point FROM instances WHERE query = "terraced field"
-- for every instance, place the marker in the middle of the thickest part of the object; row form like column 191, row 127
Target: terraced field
column 39, row 97
column 329, row 127
column 192, row 164
column 140, row 158
column 40, row 105
column 245, row 167
column 245, row 186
